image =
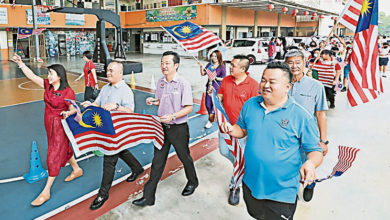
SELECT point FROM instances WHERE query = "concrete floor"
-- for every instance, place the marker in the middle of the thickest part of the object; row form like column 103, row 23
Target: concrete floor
column 361, row 193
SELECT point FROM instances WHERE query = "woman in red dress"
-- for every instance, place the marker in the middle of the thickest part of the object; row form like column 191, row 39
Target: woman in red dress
column 59, row 151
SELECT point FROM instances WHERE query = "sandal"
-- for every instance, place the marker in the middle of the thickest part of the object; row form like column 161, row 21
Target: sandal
column 74, row 175
column 40, row 200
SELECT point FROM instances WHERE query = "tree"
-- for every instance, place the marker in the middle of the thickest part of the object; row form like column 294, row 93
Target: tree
column 384, row 23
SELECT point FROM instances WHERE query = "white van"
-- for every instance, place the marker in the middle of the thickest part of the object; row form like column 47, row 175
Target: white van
column 255, row 49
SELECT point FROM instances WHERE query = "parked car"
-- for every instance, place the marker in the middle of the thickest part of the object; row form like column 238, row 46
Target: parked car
column 256, row 49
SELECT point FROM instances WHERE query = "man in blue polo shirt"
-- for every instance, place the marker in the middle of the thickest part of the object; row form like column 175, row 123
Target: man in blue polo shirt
column 277, row 127
column 310, row 94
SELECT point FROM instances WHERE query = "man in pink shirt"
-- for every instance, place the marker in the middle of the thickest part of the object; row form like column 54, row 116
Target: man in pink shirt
column 174, row 98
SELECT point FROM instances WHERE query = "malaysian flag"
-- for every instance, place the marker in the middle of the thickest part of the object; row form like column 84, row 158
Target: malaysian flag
column 27, row 32
column 347, row 156
column 211, row 72
column 349, row 17
column 233, row 143
column 365, row 82
column 192, row 37
column 24, row 33
column 111, row 132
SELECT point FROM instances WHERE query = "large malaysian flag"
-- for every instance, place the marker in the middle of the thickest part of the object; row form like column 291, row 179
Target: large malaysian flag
column 349, row 17
column 192, row 37
column 365, row 81
column 234, row 145
column 111, row 132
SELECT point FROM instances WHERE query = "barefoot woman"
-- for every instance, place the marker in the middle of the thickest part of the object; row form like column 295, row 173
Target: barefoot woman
column 59, row 151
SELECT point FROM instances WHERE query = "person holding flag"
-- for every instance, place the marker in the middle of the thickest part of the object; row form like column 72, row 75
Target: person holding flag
column 216, row 71
column 277, row 128
column 174, row 98
column 235, row 90
column 59, row 151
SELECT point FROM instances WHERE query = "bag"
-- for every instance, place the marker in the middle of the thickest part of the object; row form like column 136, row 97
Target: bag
column 91, row 93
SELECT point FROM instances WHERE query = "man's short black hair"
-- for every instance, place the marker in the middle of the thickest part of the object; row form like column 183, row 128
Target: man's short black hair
column 282, row 66
column 87, row 54
column 326, row 52
column 176, row 57
column 243, row 58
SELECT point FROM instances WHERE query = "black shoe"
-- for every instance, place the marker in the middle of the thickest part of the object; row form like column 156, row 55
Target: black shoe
column 332, row 106
column 308, row 192
column 189, row 189
column 98, row 202
column 234, row 196
column 344, row 89
column 143, row 202
column 133, row 176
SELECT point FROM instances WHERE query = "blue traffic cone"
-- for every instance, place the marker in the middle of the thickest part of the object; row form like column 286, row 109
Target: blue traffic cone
column 36, row 171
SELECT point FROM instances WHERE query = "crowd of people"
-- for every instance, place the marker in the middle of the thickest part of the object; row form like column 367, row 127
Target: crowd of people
column 281, row 121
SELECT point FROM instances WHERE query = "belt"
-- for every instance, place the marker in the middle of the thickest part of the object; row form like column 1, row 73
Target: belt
column 172, row 125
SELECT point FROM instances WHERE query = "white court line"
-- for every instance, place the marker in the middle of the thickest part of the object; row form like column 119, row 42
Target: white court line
column 94, row 192
column 21, row 177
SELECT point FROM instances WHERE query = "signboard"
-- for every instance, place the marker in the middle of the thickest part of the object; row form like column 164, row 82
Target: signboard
column 42, row 18
column 74, row 19
column 171, row 14
column 3, row 16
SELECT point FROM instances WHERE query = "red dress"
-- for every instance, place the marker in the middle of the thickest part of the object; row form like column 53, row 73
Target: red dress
column 59, row 150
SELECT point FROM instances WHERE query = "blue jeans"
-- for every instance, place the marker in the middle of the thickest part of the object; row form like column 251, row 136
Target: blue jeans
column 224, row 150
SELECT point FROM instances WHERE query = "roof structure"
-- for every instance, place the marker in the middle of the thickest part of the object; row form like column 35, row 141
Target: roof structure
column 262, row 5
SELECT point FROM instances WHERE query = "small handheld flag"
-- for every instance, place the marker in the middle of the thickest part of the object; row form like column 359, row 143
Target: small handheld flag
column 347, row 156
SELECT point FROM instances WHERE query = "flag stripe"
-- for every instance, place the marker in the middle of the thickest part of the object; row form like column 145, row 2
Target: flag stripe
column 130, row 129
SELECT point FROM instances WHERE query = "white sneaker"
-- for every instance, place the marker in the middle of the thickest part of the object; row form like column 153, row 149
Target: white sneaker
column 208, row 125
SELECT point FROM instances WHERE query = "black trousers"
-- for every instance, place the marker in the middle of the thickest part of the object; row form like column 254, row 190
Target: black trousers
column 330, row 94
column 177, row 135
column 109, row 169
column 267, row 209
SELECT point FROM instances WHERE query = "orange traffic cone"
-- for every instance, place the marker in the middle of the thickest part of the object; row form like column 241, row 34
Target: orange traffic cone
column 203, row 110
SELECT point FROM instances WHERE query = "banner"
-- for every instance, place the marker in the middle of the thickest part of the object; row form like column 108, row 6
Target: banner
column 42, row 18
column 73, row 19
column 171, row 14
column 3, row 16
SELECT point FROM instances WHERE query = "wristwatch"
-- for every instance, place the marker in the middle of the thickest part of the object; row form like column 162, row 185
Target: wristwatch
column 325, row 142
column 173, row 117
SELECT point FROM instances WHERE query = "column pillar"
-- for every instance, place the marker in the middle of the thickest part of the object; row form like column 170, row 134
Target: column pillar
column 222, row 29
column 255, row 28
column 278, row 28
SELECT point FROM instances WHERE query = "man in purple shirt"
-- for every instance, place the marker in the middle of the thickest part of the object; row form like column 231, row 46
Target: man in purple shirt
column 174, row 98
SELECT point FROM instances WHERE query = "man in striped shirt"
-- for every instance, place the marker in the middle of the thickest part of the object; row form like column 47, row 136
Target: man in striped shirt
column 328, row 74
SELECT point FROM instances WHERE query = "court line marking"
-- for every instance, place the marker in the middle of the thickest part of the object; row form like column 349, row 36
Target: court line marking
column 115, row 182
